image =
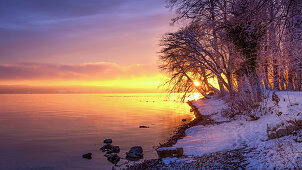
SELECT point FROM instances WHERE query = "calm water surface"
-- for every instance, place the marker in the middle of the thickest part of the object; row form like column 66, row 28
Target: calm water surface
column 52, row 131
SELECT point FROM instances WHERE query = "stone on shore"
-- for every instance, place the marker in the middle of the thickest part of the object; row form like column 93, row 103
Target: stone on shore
column 298, row 139
column 170, row 152
column 87, row 156
column 135, row 152
column 283, row 129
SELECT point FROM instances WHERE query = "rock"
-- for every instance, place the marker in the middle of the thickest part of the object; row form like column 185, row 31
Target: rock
column 277, row 133
column 108, row 141
column 282, row 132
column 143, row 126
column 108, row 155
column 283, row 129
column 298, row 139
column 87, row 156
column 184, row 120
column 135, row 152
column 253, row 117
column 113, row 158
column 275, row 98
column 114, row 149
column 272, row 135
column 106, row 147
column 170, row 152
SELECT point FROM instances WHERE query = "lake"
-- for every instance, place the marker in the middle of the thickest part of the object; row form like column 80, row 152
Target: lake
column 52, row 131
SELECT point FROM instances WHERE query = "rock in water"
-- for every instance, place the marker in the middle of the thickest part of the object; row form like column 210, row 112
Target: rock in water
column 135, row 152
column 170, row 152
column 113, row 158
column 106, row 147
column 87, row 156
column 143, row 126
column 114, row 149
column 184, row 120
column 107, row 141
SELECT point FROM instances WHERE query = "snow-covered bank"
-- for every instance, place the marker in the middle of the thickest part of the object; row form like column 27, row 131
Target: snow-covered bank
column 284, row 152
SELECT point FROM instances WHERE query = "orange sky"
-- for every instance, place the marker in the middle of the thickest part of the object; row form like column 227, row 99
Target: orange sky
column 87, row 77
column 87, row 45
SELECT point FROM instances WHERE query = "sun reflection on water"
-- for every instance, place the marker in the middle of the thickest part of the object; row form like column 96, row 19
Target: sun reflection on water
column 190, row 97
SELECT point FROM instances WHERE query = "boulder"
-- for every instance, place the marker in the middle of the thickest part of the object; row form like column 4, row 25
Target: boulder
column 107, row 141
column 283, row 129
column 135, row 152
column 114, row 149
column 106, row 147
column 87, row 156
column 169, row 152
column 113, row 158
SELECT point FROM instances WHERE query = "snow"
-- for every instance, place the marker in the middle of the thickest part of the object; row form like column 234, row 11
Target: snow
column 166, row 148
column 205, row 139
column 168, row 160
column 211, row 107
column 240, row 133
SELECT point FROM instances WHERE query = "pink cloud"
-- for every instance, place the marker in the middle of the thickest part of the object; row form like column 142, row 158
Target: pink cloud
column 87, row 71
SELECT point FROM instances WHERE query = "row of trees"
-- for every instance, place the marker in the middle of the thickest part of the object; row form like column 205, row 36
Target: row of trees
column 232, row 46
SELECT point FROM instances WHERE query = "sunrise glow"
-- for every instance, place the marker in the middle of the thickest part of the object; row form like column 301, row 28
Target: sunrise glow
column 196, row 83
column 150, row 84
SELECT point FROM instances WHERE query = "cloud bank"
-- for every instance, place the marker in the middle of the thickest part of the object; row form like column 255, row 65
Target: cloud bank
column 87, row 71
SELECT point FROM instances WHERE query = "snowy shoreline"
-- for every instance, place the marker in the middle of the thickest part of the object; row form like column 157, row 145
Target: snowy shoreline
column 239, row 143
column 181, row 130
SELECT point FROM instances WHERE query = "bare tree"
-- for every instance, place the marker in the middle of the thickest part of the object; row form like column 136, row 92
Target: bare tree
column 191, row 54
column 242, row 44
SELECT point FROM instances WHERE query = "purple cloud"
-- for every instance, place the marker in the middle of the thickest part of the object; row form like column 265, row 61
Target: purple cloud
column 88, row 71
column 77, row 31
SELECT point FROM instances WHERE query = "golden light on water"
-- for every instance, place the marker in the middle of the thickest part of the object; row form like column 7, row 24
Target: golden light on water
column 190, row 97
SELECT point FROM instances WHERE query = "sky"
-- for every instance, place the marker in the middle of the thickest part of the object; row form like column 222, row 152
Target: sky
column 108, row 45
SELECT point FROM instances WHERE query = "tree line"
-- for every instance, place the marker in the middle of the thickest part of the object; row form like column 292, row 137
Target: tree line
column 234, row 46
